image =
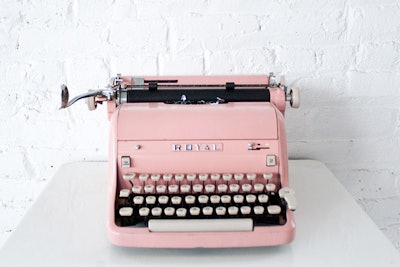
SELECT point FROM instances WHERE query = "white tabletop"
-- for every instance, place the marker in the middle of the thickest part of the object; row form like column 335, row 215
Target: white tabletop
column 66, row 227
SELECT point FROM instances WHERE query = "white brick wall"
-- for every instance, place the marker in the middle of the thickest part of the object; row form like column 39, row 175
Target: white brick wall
column 344, row 55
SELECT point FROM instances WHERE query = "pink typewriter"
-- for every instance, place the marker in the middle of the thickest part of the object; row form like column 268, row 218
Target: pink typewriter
column 197, row 161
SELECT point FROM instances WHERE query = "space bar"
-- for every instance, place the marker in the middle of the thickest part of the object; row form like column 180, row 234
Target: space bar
column 200, row 225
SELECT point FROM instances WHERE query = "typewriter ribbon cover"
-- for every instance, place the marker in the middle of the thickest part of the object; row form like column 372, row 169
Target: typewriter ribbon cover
column 197, row 161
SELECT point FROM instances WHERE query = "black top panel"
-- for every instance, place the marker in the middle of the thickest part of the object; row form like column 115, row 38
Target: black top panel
column 198, row 96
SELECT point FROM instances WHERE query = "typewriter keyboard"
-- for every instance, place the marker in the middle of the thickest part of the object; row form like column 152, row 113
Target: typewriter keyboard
column 203, row 202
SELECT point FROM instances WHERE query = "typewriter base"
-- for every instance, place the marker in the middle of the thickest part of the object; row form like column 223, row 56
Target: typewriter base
column 259, row 237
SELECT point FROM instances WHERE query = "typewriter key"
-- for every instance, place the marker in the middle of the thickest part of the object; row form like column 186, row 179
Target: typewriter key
column 126, row 211
column 163, row 199
column 263, row 198
column 220, row 211
column 258, row 210
column 144, row 211
column 233, row 210
column 156, row 211
column 245, row 210
column 274, row 209
column 251, row 198
column 207, row 210
column 270, row 187
column 176, row 200
column 124, row 193
column 138, row 200
column 181, row 212
column 203, row 199
column 194, row 211
column 150, row 200
column 226, row 199
column 190, row 199
column 169, row 211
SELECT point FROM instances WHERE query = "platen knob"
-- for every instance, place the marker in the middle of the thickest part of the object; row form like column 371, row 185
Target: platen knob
column 295, row 98
column 91, row 102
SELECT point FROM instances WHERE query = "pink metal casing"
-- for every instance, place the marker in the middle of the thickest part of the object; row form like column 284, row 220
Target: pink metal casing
column 156, row 127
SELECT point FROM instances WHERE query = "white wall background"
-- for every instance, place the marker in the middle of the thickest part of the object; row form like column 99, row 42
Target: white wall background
column 344, row 55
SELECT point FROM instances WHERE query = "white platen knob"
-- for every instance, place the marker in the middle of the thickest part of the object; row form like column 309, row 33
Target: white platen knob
column 91, row 102
column 295, row 98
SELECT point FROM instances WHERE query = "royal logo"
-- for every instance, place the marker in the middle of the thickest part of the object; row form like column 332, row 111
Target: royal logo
column 197, row 147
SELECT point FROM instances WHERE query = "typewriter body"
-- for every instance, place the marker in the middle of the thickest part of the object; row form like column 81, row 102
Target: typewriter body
column 197, row 161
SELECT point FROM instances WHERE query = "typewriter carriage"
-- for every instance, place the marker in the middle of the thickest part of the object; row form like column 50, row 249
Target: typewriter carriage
column 116, row 92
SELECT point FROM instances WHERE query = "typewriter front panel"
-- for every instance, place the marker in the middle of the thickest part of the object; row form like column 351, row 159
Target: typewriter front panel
column 199, row 170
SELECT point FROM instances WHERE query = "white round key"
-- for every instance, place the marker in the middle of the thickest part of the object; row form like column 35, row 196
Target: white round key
column 156, row 211
column 191, row 177
column 149, row 188
column 126, row 211
column 210, row 188
column 161, row 188
column 137, row 189
column 267, row 176
column 194, row 211
column 246, row 187
column 181, row 212
column 234, row 187
column 251, row 176
column 129, row 176
column 215, row 176
column 250, row 198
column 263, row 198
column 203, row 199
column 225, row 199
column 215, row 199
column 190, row 199
column 207, row 210
column 227, row 177
column 285, row 191
column 220, row 211
column 238, row 199
column 138, row 200
column 167, row 177
column 232, row 210
column 258, row 187
column 151, row 200
column 222, row 188
column 203, row 177
column 270, row 187
column 179, row 177
column 124, row 193
column 258, row 210
column 185, row 188
column 143, row 177
column 238, row 176
column 163, row 199
column 173, row 188
column 144, row 211
column 176, row 200
column 155, row 177
column 274, row 209
column 197, row 188
column 245, row 210
column 169, row 211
